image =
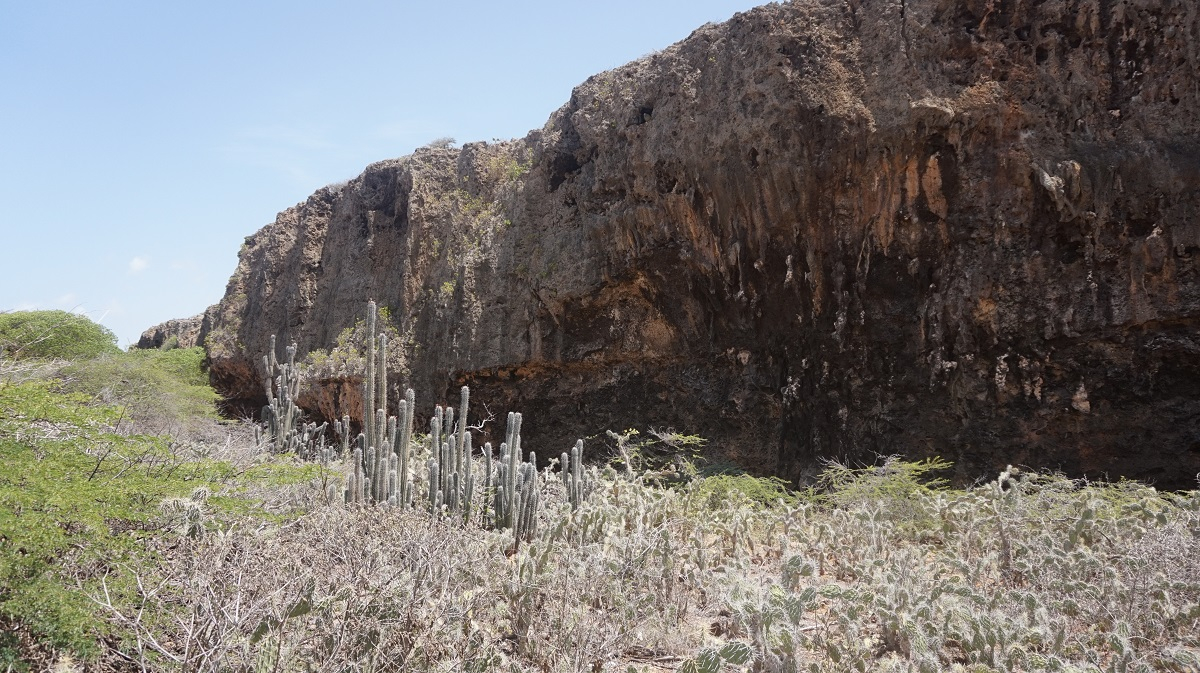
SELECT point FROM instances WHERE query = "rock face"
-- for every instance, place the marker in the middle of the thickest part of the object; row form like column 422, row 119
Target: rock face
column 821, row 229
column 185, row 331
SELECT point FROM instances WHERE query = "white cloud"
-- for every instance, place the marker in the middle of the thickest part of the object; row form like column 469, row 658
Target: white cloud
column 138, row 264
column 68, row 299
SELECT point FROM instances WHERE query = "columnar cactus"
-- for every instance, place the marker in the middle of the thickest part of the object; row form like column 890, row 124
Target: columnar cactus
column 462, row 429
column 381, row 455
column 281, row 416
column 342, row 428
column 381, row 390
column 526, row 500
column 402, row 449
column 369, row 380
column 573, row 476
column 450, row 446
column 386, row 470
column 488, row 515
column 517, row 496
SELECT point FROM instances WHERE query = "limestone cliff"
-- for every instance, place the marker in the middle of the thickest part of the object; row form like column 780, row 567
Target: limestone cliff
column 822, row 229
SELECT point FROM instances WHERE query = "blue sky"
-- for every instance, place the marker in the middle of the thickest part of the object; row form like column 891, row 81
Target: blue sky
column 142, row 141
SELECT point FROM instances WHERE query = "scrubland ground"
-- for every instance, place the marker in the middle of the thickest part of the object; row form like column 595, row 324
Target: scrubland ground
column 140, row 533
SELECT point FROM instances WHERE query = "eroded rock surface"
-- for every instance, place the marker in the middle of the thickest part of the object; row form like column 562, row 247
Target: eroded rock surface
column 185, row 332
column 821, row 229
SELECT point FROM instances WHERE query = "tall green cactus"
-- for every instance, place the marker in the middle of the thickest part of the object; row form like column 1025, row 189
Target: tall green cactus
column 342, row 429
column 402, row 449
column 517, row 493
column 369, row 379
column 379, row 476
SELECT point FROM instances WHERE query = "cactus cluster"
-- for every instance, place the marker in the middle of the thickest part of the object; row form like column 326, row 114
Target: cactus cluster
column 451, row 477
column 516, row 493
column 284, row 433
column 381, row 456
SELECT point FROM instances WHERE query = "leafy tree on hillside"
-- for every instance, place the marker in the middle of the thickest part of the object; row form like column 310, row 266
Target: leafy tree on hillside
column 53, row 334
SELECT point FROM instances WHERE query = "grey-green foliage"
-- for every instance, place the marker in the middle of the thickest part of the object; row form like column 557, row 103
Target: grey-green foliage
column 1026, row 572
column 715, row 659
column 281, row 416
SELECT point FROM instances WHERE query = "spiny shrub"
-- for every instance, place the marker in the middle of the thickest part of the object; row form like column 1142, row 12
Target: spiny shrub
column 720, row 490
column 1019, row 574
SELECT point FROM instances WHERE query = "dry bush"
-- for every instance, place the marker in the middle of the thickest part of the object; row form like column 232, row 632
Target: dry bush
column 1032, row 573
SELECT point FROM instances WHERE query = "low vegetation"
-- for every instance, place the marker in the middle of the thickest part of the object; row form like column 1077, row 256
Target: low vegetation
column 199, row 549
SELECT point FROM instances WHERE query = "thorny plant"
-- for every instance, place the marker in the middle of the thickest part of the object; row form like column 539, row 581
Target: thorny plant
column 1084, row 577
column 878, row 568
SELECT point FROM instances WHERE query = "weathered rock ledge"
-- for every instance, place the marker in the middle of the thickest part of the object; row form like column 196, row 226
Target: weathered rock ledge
column 821, row 229
column 185, row 331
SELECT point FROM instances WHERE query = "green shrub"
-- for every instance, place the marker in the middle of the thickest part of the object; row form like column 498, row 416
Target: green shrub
column 347, row 358
column 78, row 502
column 162, row 391
column 892, row 482
column 727, row 490
column 662, row 454
column 895, row 490
column 53, row 335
